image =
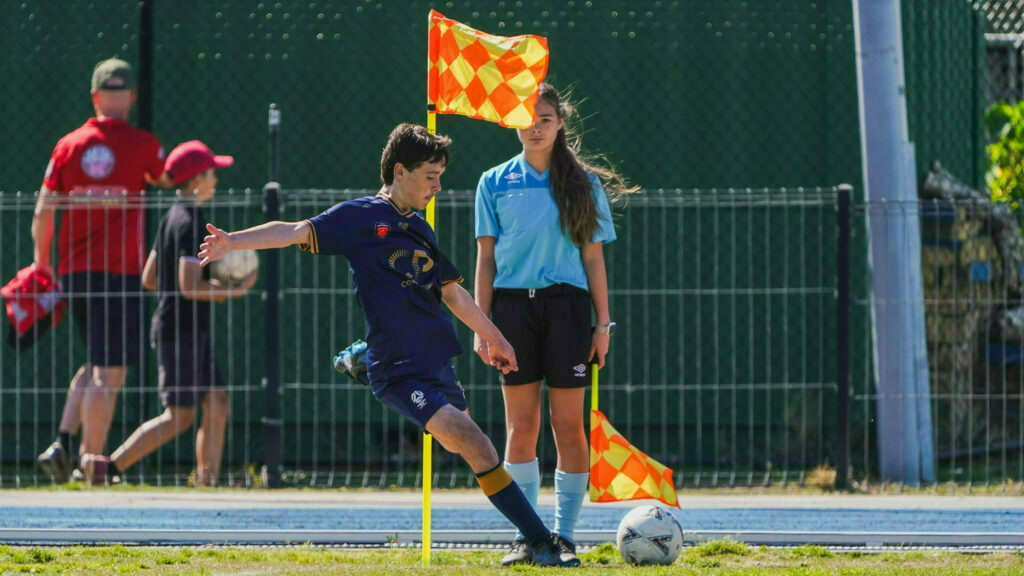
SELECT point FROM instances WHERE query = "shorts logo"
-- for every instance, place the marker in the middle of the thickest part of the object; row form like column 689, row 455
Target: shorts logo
column 381, row 229
column 418, row 399
column 98, row 161
column 580, row 371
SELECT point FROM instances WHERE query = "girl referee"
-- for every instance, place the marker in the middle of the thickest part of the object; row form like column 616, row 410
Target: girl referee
column 541, row 221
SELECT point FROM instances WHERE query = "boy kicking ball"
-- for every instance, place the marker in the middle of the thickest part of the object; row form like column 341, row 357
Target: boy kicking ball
column 401, row 278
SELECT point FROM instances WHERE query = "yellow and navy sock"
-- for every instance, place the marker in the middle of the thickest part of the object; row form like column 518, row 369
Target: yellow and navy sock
column 506, row 496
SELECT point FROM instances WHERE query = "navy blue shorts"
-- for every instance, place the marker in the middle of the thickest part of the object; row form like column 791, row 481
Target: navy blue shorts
column 419, row 396
column 107, row 309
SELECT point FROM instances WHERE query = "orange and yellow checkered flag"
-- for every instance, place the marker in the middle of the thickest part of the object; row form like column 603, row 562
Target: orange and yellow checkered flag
column 619, row 471
column 475, row 74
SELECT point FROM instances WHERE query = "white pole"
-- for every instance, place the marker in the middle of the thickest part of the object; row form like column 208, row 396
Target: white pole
column 897, row 296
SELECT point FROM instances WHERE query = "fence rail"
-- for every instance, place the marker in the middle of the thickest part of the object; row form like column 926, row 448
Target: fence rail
column 726, row 365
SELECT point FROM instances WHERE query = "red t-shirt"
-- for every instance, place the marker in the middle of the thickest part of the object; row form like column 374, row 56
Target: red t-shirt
column 99, row 170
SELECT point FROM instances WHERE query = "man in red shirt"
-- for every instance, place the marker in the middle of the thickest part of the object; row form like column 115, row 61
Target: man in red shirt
column 98, row 173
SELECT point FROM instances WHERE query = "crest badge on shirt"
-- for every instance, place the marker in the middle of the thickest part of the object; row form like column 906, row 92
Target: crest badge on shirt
column 98, row 161
column 381, row 229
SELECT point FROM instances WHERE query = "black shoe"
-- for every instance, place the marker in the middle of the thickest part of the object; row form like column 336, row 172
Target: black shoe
column 521, row 553
column 547, row 552
column 54, row 461
column 567, row 551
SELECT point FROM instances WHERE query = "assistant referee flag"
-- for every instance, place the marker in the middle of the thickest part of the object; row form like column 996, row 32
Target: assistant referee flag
column 620, row 471
column 475, row 74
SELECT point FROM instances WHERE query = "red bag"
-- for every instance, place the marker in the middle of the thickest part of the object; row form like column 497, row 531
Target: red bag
column 34, row 305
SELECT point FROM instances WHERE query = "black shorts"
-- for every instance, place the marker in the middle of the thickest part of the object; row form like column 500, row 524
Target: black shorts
column 187, row 369
column 107, row 309
column 549, row 329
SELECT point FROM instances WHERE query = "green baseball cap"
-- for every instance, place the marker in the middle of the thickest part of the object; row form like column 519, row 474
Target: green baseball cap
column 113, row 74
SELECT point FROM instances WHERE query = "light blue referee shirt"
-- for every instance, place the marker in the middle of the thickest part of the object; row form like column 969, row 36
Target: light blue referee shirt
column 514, row 204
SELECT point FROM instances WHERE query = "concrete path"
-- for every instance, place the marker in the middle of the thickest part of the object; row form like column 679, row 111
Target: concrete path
column 237, row 499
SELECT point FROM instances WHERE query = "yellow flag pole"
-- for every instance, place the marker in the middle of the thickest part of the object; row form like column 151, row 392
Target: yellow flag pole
column 428, row 443
column 593, row 386
column 432, row 128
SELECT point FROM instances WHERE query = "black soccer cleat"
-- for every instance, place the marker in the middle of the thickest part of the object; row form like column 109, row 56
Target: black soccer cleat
column 519, row 553
column 54, row 461
column 547, row 552
column 567, row 551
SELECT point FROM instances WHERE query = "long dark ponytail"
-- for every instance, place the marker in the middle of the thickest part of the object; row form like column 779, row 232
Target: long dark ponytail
column 570, row 182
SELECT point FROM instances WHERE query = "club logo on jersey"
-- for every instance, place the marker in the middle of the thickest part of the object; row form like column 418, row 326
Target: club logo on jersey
column 418, row 399
column 580, row 370
column 381, row 229
column 411, row 264
column 98, row 161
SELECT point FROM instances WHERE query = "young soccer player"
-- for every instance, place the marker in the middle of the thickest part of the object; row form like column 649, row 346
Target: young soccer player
column 401, row 278
column 180, row 330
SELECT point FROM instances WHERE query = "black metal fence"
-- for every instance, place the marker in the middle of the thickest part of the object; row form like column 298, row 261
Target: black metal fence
column 728, row 365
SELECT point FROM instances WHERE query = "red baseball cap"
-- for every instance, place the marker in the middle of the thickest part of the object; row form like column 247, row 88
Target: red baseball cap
column 191, row 158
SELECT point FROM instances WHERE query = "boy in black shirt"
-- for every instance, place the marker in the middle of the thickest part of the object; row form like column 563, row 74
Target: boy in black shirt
column 181, row 326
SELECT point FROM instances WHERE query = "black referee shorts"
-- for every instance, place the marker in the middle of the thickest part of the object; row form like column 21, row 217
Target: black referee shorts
column 549, row 329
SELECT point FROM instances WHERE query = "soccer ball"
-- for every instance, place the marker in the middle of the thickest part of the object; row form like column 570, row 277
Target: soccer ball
column 649, row 535
column 235, row 267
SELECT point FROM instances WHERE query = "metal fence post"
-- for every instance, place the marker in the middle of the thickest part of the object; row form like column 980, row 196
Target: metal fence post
column 845, row 198
column 145, row 76
column 272, row 379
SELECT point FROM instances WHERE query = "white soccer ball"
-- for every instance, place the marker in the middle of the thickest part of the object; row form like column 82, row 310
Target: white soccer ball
column 649, row 535
column 235, row 267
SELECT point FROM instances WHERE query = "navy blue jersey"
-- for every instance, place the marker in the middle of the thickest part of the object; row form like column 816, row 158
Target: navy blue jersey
column 398, row 273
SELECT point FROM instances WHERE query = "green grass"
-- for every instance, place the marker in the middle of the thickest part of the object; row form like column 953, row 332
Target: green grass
column 720, row 548
column 723, row 557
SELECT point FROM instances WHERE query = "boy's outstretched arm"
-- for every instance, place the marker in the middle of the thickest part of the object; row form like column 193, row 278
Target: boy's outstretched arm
column 463, row 306
column 270, row 235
